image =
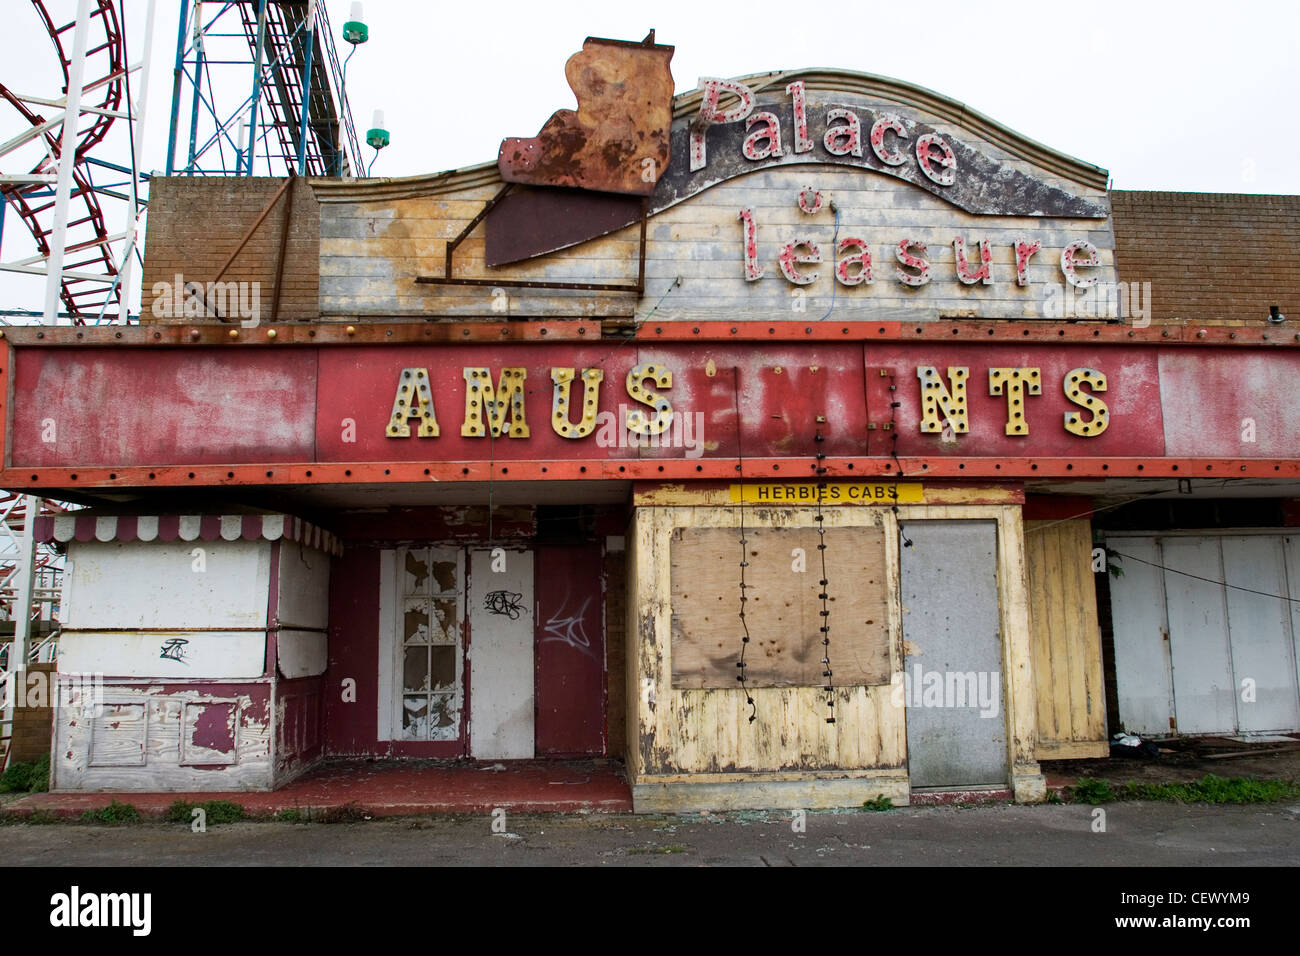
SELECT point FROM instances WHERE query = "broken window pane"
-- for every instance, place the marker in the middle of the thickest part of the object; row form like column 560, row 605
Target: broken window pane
column 415, row 718
column 415, row 669
column 442, row 717
column 415, row 623
column 446, row 628
column 443, row 675
column 415, row 573
column 444, row 577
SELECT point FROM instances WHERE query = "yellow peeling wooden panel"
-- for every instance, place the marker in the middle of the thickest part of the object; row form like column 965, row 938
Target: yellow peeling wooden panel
column 675, row 730
column 783, row 607
column 1065, row 639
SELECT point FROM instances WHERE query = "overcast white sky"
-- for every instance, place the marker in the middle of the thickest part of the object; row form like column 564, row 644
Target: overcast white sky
column 1181, row 96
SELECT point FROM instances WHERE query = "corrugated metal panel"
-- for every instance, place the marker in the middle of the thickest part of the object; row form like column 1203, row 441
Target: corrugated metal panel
column 1263, row 648
column 1231, row 652
column 1142, row 668
column 1198, row 636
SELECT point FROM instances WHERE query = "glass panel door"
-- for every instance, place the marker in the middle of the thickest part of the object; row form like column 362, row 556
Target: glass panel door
column 430, row 666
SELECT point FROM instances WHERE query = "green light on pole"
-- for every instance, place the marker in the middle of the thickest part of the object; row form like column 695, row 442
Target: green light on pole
column 355, row 30
column 377, row 136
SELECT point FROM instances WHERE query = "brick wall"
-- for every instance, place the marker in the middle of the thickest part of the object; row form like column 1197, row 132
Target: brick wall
column 194, row 224
column 1211, row 258
column 30, row 738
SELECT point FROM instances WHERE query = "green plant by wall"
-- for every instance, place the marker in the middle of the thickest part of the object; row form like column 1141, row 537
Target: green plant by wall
column 27, row 777
column 114, row 814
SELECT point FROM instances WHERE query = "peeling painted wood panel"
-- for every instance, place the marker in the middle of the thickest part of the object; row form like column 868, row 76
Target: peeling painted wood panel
column 169, row 655
column 173, row 585
column 302, row 653
column 501, row 620
column 303, row 582
column 782, row 608
column 1069, row 689
column 299, row 733
column 368, row 263
column 212, row 737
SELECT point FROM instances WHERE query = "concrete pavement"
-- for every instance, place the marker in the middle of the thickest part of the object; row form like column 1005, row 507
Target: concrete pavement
column 1129, row 834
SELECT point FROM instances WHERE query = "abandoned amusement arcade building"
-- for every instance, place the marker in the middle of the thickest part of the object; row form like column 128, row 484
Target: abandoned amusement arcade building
column 799, row 440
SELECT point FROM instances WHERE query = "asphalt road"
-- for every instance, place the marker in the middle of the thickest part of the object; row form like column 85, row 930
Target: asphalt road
column 1134, row 834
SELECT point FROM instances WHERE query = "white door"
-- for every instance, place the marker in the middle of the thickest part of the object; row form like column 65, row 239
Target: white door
column 501, row 613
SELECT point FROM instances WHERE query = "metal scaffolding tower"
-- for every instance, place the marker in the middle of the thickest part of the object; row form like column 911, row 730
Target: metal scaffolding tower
column 265, row 125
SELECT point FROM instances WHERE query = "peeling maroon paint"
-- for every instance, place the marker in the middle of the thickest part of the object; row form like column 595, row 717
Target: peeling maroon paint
column 213, row 728
column 570, row 693
column 212, row 404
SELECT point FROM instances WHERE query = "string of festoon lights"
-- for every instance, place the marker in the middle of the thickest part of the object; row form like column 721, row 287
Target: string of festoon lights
column 824, row 594
column 742, row 677
column 894, row 405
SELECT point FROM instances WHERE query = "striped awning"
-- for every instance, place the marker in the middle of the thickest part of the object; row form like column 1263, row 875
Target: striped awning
column 84, row 526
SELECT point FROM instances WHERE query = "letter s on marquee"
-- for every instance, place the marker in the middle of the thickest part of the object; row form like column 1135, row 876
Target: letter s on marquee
column 637, row 422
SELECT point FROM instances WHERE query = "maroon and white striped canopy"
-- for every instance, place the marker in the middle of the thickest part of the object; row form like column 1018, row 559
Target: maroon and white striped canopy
column 83, row 526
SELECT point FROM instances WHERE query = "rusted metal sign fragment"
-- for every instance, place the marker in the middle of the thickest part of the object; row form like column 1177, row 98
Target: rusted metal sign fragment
column 533, row 218
column 618, row 139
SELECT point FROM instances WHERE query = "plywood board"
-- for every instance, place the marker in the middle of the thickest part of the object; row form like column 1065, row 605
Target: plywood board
column 783, row 610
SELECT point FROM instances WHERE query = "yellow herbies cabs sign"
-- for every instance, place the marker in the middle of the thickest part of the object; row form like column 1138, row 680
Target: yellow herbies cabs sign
column 835, row 493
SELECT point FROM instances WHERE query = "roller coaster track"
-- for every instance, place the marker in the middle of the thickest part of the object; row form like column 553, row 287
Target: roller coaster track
column 91, row 291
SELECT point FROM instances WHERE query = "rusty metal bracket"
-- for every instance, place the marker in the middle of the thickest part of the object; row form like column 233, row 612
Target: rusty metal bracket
column 248, row 234
column 284, row 244
column 448, row 279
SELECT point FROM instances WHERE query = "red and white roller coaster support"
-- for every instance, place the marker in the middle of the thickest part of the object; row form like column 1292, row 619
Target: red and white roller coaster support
column 66, row 205
column 60, row 194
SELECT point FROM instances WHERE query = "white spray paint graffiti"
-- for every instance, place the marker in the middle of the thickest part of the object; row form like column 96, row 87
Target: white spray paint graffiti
column 570, row 630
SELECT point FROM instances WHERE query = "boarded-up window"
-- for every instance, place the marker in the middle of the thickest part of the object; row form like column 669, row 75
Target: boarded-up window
column 784, row 607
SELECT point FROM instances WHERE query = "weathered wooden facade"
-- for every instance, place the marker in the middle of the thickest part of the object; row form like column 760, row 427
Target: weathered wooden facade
column 778, row 477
